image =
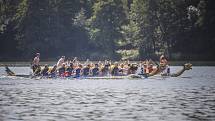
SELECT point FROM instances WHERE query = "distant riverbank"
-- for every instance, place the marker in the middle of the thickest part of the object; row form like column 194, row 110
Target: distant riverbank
column 172, row 63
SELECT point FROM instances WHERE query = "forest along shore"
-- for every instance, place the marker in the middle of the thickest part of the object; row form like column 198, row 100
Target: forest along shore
column 114, row 29
column 51, row 63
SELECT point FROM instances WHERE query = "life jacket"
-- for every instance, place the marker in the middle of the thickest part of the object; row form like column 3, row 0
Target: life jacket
column 67, row 74
column 78, row 72
column 86, row 71
column 105, row 70
column 61, row 71
column 69, row 71
column 140, row 71
column 133, row 69
column 53, row 70
column 115, row 71
column 45, row 72
column 95, row 71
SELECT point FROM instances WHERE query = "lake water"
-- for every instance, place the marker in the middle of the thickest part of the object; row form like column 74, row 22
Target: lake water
column 190, row 97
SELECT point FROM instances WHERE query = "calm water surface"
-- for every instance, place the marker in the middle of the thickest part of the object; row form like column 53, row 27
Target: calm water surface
column 190, row 97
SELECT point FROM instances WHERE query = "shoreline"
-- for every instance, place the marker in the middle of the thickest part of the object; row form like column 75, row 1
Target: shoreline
column 50, row 63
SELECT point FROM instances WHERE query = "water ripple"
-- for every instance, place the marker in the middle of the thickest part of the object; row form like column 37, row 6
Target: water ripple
column 169, row 99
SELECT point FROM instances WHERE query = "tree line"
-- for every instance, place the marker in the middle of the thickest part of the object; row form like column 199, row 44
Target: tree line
column 107, row 29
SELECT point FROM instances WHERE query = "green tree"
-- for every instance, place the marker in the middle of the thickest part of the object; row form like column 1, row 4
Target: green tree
column 105, row 25
column 8, row 9
column 50, row 23
column 143, row 14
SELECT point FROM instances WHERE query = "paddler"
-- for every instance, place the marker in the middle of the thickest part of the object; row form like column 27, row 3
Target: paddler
column 69, row 70
column 132, row 68
column 62, row 70
column 164, row 65
column 60, row 62
column 145, row 67
column 35, row 63
column 45, row 70
column 53, row 71
column 163, row 60
column 37, row 72
column 105, row 70
column 115, row 70
column 121, row 69
column 78, row 71
column 140, row 70
column 95, row 70
column 86, row 70
column 150, row 68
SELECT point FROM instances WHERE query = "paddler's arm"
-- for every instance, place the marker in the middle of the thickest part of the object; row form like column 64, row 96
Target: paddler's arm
column 74, row 60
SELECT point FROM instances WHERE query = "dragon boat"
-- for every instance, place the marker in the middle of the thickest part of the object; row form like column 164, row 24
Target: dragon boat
column 157, row 71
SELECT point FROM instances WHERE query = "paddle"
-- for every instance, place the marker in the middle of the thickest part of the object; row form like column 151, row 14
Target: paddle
column 9, row 72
